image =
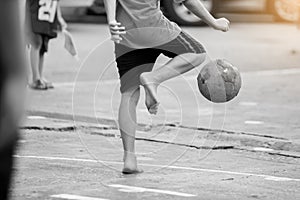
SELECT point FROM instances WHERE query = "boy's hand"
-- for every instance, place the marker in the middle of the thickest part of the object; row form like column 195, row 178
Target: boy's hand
column 116, row 29
column 63, row 24
column 221, row 24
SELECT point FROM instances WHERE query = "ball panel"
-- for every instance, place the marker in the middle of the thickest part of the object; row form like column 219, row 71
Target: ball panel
column 219, row 81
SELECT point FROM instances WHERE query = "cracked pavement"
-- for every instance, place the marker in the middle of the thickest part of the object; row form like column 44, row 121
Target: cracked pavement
column 246, row 149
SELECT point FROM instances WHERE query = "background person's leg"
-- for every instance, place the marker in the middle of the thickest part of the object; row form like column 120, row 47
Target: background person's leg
column 41, row 64
column 35, row 53
column 44, row 49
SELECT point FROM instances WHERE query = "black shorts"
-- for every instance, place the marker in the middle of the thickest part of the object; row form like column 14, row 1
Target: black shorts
column 132, row 62
column 42, row 27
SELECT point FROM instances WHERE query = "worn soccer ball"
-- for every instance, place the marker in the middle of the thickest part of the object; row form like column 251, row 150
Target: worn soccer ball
column 219, row 81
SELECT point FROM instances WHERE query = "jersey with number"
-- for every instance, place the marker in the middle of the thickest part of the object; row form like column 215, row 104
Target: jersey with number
column 43, row 14
column 146, row 26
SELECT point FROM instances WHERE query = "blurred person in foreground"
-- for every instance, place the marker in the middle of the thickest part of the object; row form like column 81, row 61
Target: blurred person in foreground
column 44, row 20
column 148, row 34
column 12, row 86
column 298, row 6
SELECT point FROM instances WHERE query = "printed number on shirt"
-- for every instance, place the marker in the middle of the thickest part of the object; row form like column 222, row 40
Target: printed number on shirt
column 47, row 10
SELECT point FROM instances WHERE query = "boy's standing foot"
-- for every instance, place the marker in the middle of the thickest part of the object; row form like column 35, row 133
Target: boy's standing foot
column 130, row 164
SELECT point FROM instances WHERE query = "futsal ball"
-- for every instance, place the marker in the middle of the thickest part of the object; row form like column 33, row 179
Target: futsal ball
column 219, row 81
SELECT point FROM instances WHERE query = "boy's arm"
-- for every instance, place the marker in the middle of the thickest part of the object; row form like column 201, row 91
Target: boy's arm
column 60, row 18
column 115, row 27
column 196, row 7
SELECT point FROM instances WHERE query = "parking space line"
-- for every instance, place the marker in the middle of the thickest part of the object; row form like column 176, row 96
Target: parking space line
column 74, row 197
column 250, row 122
column 248, row 103
column 266, row 177
column 35, row 117
column 274, row 72
column 126, row 188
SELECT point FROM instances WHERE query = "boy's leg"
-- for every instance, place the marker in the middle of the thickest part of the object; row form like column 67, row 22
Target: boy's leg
column 175, row 67
column 187, row 53
column 127, row 125
column 131, row 64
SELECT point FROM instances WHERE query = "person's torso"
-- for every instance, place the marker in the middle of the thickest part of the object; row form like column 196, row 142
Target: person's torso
column 45, row 10
column 145, row 23
column 43, row 15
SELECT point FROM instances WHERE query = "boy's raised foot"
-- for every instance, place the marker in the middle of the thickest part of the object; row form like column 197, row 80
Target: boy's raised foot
column 150, row 85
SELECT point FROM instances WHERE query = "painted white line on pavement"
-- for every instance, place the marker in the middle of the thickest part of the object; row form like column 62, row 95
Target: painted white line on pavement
column 248, row 103
column 36, row 117
column 254, row 122
column 262, row 149
column 266, row 177
column 72, row 84
column 74, row 197
column 125, row 188
column 273, row 72
column 190, row 77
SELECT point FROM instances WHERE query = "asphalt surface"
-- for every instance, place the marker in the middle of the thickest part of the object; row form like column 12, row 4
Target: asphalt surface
column 246, row 149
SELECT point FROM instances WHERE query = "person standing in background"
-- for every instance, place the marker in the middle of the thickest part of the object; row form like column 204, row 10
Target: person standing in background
column 44, row 20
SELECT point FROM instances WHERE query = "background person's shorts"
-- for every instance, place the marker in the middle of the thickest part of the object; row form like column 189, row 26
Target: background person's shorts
column 34, row 38
column 132, row 62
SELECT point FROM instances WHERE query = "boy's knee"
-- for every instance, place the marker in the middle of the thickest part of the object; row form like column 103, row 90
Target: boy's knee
column 194, row 59
column 199, row 59
column 132, row 95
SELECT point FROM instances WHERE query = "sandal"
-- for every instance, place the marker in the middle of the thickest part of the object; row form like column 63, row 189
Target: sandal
column 38, row 85
column 49, row 85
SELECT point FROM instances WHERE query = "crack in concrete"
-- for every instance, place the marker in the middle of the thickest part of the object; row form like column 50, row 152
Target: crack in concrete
column 221, row 147
column 277, row 153
column 223, row 131
column 44, row 128
column 111, row 122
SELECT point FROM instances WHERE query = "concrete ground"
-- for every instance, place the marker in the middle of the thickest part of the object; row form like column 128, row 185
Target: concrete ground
column 246, row 149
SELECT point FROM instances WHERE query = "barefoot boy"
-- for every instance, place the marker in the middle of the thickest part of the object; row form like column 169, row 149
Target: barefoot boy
column 44, row 20
column 149, row 34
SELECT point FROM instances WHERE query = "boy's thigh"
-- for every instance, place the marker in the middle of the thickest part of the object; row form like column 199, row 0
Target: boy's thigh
column 183, row 43
column 131, row 63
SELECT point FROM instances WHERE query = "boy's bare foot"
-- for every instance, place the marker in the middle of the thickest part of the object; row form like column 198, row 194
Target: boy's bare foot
column 151, row 92
column 130, row 171
column 130, row 164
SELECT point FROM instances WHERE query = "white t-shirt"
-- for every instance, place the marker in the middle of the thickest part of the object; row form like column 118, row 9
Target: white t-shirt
column 145, row 24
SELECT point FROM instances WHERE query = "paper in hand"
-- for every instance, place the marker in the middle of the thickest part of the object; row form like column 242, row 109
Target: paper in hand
column 70, row 45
